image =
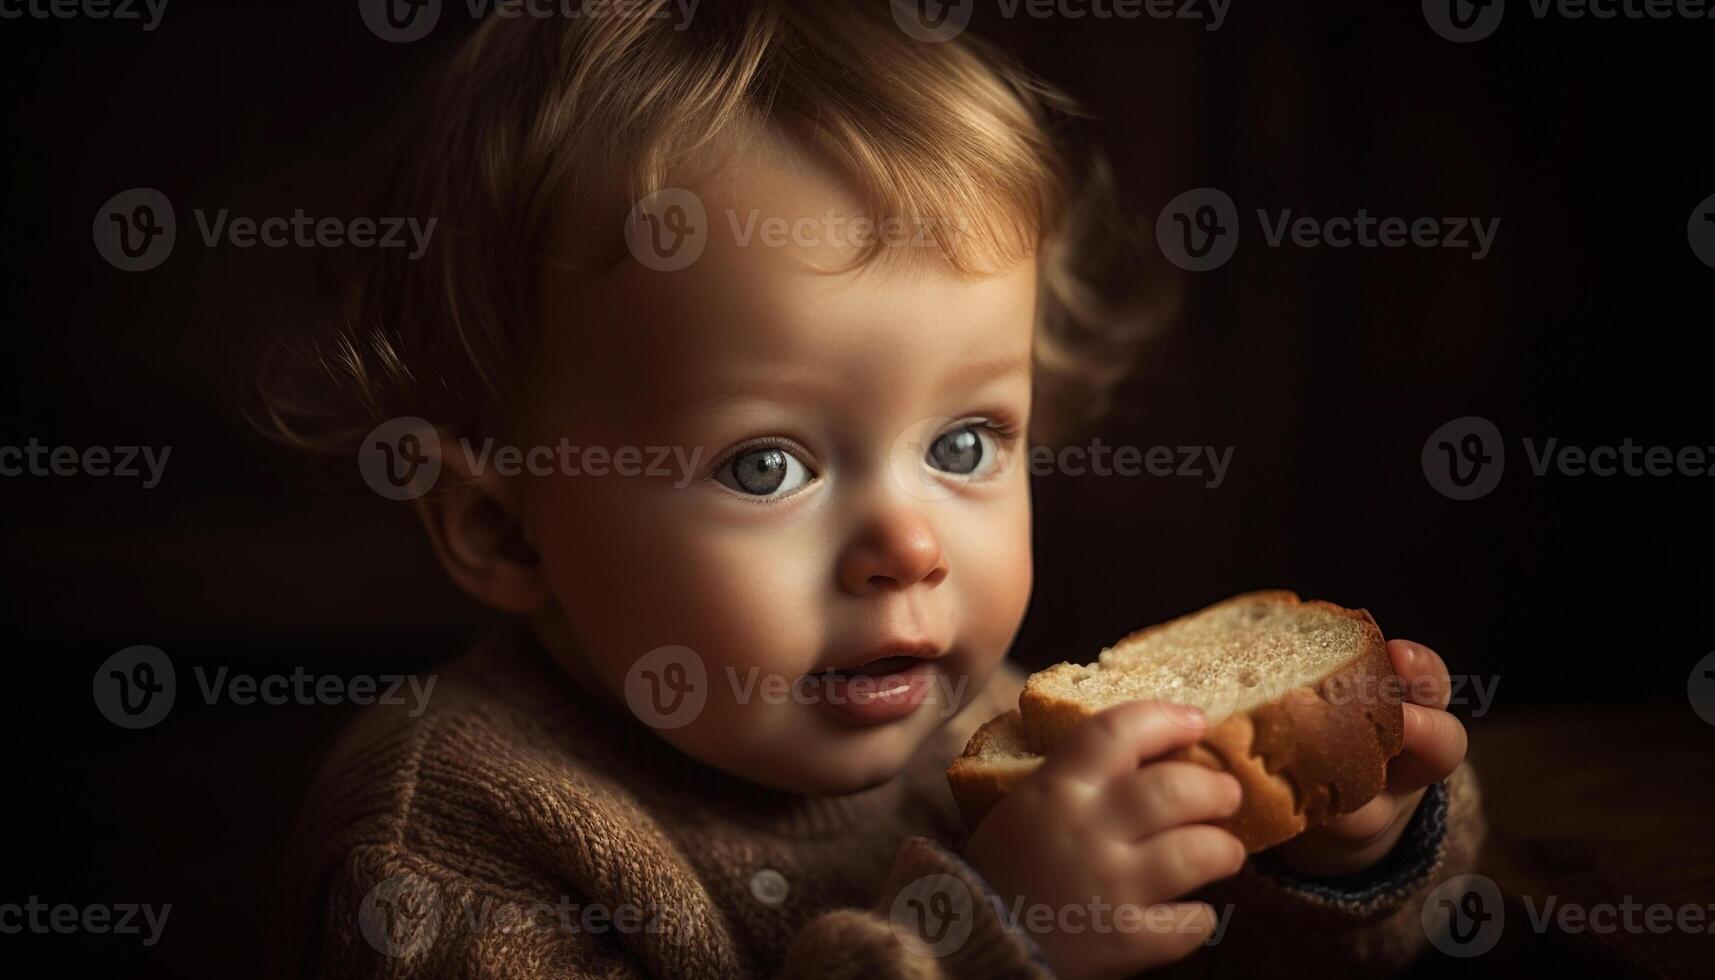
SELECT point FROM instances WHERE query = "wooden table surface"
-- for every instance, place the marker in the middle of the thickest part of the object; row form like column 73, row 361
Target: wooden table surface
column 1592, row 805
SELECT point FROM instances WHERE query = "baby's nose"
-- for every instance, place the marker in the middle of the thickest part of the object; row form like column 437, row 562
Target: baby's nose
column 895, row 551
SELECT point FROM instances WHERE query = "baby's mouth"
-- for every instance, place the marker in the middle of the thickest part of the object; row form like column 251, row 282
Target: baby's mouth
column 878, row 691
column 878, row 668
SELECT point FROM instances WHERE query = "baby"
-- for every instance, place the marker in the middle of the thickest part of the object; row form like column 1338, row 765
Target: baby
column 762, row 308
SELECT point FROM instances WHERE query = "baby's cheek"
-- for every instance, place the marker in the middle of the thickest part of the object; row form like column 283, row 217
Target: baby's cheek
column 752, row 604
column 637, row 579
column 998, row 575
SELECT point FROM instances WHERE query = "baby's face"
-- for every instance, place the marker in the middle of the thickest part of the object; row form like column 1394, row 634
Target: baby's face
column 858, row 496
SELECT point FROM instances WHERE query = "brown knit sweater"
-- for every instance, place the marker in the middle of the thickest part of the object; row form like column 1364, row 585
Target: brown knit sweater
column 516, row 830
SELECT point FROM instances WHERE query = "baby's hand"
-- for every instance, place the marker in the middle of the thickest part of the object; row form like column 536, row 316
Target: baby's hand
column 1434, row 747
column 1092, row 831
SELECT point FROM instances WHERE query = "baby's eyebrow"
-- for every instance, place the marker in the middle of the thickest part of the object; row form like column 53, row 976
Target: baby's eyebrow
column 780, row 389
column 808, row 387
column 972, row 373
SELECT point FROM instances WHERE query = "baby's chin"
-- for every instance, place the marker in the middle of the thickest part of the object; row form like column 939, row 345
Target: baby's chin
column 825, row 760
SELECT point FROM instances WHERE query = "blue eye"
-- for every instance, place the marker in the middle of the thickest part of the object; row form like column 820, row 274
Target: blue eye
column 766, row 471
column 964, row 451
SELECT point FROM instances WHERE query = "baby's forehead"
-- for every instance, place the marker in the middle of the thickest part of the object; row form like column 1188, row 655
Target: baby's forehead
column 743, row 317
column 769, row 290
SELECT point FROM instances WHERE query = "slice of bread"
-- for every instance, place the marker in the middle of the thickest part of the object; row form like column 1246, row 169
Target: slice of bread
column 995, row 759
column 1301, row 699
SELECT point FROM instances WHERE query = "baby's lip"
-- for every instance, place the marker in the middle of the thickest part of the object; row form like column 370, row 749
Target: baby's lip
column 889, row 658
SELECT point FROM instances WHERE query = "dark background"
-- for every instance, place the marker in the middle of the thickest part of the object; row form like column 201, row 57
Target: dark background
column 1326, row 370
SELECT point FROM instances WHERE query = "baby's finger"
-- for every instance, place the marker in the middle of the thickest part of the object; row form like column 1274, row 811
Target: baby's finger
column 1143, row 937
column 1183, row 859
column 1169, row 794
column 1435, row 744
column 1422, row 672
column 1118, row 740
column 1362, row 824
column 1176, row 930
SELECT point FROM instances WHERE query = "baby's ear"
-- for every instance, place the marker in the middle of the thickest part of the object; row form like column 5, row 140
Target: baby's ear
column 473, row 518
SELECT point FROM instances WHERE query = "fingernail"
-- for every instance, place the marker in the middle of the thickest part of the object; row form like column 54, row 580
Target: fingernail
column 1196, row 715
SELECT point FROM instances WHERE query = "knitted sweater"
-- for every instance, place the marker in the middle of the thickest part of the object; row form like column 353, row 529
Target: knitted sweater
column 516, row 829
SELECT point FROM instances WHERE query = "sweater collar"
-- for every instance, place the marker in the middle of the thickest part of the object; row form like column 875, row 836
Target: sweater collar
column 512, row 663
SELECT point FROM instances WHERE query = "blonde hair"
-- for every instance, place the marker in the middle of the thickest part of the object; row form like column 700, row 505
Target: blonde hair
column 535, row 116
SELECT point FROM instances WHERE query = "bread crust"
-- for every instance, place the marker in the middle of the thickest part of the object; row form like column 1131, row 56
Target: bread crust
column 978, row 783
column 1313, row 753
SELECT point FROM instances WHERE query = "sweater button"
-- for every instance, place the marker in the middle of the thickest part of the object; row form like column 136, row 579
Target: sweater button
column 769, row 886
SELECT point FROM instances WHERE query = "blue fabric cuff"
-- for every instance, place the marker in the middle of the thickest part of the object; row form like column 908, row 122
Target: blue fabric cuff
column 1409, row 861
